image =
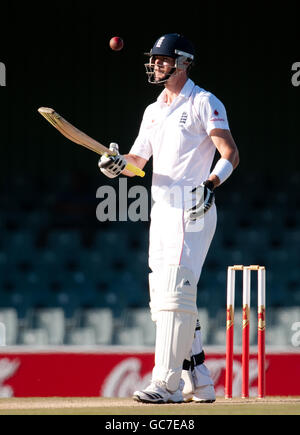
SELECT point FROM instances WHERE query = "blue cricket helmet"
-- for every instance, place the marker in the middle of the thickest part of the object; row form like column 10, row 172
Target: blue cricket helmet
column 173, row 45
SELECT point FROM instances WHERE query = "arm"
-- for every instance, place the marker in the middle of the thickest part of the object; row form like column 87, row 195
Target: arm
column 227, row 148
column 136, row 161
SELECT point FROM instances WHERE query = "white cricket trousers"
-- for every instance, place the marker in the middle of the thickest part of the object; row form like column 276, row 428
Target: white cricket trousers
column 175, row 241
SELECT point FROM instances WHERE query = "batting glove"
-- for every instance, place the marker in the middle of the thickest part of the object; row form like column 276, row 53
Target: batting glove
column 112, row 166
column 204, row 198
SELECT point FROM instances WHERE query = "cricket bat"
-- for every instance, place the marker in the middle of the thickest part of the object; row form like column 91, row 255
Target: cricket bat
column 77, row 136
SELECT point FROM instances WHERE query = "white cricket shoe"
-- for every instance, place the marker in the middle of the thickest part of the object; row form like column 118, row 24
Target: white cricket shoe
column 205, row 394
column 158, row 393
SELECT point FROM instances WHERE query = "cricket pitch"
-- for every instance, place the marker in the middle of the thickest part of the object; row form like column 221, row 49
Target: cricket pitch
column 126, row 406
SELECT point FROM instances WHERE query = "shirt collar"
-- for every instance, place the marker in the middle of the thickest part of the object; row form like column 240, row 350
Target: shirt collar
column 184, row 93
column 187, row 89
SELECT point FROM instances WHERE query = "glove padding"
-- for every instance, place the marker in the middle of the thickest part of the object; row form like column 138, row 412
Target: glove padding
column 204, row 198
column 112, row 166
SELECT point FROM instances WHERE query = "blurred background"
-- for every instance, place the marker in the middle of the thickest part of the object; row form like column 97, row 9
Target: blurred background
column 65, row 277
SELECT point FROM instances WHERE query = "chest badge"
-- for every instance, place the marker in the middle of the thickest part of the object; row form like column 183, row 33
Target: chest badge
column 183, row 119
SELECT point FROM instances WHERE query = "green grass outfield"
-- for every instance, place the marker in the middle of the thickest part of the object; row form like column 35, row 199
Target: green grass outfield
column 105, row 406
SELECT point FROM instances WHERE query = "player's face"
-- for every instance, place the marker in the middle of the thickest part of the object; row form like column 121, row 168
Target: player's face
column 163, row 65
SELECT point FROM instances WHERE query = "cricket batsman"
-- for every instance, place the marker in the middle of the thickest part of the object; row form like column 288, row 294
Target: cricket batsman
column 181, row 131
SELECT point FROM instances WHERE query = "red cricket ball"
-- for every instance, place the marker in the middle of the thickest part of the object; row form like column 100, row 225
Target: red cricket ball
column 116, row 43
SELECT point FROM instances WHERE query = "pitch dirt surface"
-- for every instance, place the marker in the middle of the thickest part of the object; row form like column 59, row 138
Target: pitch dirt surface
column 111, row 406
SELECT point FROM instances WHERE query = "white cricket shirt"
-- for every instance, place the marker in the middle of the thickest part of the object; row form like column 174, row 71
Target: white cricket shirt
column 177, row 137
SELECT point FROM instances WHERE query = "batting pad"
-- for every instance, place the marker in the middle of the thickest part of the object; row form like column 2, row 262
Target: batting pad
column 178, row 290
column 200, row 376
column 174, row 338
column 175, row 324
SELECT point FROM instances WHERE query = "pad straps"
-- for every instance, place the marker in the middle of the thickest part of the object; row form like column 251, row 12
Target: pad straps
column 196, row 360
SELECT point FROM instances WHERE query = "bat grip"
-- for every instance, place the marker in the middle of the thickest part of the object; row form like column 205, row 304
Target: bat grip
column 135, row 170
column 130, row 167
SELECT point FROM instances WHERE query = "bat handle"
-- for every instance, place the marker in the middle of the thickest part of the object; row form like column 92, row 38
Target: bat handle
column 135, row 170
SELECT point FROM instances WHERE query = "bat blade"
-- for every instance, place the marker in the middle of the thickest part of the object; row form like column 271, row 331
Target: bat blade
column 71, row 132
column 77, row 136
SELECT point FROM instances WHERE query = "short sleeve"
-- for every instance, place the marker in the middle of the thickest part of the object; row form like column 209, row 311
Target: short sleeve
column 213, row 114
